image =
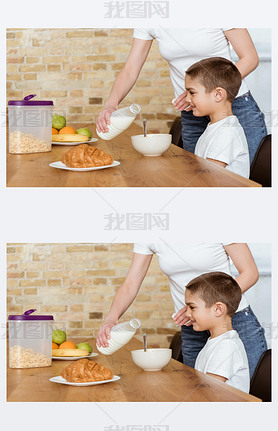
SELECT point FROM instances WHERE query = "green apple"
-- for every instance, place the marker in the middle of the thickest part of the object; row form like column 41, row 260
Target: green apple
column 58, row 336
column 58, row 121
column 85, row 346
column 84, row 131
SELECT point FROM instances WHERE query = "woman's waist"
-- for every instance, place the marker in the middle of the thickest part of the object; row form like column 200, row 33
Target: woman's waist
column 243, row 88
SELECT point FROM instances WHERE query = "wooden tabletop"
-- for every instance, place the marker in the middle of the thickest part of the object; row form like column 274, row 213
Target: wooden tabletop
column 175, row 168
column 176, row 382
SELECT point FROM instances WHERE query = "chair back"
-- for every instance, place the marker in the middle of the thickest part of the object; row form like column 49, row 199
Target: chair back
column 175, row 345
column 175, row 131
column 260, row 385
column 260, row 170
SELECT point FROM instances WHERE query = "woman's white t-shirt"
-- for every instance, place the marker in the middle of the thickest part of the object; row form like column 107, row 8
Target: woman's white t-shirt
column 225, row 356
column 182, row 47
column 183, row 262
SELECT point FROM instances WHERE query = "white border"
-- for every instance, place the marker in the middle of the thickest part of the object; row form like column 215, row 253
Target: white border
column 35, row 216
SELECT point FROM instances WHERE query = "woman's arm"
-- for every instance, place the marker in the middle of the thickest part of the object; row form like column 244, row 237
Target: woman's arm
column 244, row 263
column 124, row 81
column 243, row 45
column 125, row 295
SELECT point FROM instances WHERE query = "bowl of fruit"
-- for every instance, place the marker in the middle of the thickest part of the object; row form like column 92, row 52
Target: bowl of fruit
column 64, row 349
column 62, row 134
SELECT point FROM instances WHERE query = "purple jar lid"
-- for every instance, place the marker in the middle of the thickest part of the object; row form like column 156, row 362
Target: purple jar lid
column 28, row 316
column 27, row 102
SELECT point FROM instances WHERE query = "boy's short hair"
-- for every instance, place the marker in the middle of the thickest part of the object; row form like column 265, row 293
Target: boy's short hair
column 215, row 287
column 217, row 72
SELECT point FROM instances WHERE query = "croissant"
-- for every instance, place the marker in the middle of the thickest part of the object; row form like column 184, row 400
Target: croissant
column 83, row 371
column 86, row 156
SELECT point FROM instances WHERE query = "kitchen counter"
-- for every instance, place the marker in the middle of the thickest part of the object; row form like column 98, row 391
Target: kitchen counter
column 176, row 382
column 175, row 168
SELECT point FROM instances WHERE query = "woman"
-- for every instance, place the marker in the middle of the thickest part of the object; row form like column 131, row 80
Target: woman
column 181, row 263
column 181, row 48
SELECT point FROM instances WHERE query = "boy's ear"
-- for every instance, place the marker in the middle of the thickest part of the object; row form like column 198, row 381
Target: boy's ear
column 219, row 309
column 219, row 94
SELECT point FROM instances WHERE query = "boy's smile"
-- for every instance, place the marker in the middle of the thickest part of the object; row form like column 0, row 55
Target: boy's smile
column 213, row 104
column 200, row 315
column 203, row 318
column 201, row 102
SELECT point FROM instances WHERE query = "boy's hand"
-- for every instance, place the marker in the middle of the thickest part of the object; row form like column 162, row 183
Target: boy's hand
column 181, row 318
column 181, row 104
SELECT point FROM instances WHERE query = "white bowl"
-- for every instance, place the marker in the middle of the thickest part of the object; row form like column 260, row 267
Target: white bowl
column 153, row 144
column 152, row 359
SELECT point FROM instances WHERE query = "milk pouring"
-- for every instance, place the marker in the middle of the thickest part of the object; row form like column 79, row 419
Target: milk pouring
column 120, row 120
column 120, row 334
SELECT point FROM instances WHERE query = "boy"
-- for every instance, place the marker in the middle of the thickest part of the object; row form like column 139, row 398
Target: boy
column 212, row 84
column 211, row 301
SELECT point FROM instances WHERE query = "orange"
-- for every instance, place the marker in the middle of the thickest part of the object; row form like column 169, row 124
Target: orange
column 54, row 131
column 68, row 130
column 67, row 345
column 55, row 346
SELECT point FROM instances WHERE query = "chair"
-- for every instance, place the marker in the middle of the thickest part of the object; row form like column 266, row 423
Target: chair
column 260, row 385
column 175, row 131
column 260, row 170
column 175, row 345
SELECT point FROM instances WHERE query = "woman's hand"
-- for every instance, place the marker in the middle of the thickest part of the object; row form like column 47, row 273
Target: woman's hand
column 180, row 103
column 104, row 119
column 181, row 318
column 104, row 333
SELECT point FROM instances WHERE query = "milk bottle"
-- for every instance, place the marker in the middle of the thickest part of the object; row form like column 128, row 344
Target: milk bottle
column 120, row 120
column 120, row 334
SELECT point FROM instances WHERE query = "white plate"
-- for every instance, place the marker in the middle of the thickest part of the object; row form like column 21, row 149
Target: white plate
column 75, row 143
column 59, row 379
column 73, row 358
column 60, row 165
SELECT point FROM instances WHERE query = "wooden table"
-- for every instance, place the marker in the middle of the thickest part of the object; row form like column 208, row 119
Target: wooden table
column 176, row 382
column 175, row 168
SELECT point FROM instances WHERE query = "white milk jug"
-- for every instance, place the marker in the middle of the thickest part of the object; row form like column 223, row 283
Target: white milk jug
column 120, row 334
column 120, row 120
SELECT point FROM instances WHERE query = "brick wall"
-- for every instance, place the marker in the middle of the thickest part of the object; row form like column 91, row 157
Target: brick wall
column 77, row 282
column 76, row 69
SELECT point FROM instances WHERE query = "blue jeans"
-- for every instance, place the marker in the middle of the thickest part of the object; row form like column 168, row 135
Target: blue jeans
column 249, row 330
column 248, row 114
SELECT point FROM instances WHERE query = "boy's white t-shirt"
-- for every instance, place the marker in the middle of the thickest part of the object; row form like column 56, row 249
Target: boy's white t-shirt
column 225, row 141
column 182, row 47
column 226, row 356
column 183, row 262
